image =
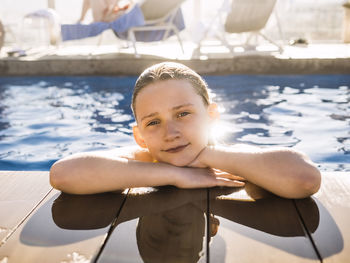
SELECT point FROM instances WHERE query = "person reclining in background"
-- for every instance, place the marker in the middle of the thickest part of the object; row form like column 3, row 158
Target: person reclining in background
column 174, row 116
column 104, row 10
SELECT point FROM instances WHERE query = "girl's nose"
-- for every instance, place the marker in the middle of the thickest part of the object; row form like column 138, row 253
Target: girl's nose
column 171, row 131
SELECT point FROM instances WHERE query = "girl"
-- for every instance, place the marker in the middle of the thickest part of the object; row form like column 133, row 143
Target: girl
column 174, row 114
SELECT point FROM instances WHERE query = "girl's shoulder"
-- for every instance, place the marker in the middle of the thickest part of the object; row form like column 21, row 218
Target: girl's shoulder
column 245, row 147
column 239, row 147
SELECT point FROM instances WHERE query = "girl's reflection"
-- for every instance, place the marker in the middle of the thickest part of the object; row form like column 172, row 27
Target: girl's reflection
column 172, row 236
column 172, row 222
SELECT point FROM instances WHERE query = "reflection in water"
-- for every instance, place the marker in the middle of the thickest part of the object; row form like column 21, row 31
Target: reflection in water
column 266, row 212
column 172, row 236
column 172, row 221
column 327, row 236
column 86, row 211
column 56, row 221
column 171, row 226
column 276, row 216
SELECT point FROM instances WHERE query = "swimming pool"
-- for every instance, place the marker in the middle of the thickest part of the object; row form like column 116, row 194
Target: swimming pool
column 43, row 119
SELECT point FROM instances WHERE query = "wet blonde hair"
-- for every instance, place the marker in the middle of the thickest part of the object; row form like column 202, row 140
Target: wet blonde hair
column 170, row 71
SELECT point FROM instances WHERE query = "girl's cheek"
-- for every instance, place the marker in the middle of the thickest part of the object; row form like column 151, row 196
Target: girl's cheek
column 152, row 136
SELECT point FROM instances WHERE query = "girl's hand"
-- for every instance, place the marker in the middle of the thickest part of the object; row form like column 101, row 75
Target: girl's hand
column 205, row 177
column 199, row 161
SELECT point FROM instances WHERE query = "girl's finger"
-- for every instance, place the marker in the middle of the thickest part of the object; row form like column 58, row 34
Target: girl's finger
column 229, row 176
column 229, row 183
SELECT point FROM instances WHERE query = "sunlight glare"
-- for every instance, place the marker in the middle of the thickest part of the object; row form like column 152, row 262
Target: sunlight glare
column 219, row 130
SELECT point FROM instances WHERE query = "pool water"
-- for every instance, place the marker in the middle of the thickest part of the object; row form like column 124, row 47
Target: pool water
column 43, row 119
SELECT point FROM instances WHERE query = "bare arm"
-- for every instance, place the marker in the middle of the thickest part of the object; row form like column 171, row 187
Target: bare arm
column 84, row 9
column 87, row 173
column 282, row 171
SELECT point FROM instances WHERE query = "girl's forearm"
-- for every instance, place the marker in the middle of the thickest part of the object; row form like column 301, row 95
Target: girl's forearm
column 86, row 174
column 95, row 173
column 284, row 172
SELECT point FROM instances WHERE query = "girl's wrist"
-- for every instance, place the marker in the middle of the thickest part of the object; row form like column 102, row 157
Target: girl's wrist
column 205, row 155
column 212, row 156
column 178, row 176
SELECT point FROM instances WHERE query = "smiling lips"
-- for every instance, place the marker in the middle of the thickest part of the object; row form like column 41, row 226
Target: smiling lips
column 176, row 149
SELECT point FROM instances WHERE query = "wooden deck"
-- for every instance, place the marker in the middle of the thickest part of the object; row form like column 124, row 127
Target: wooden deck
column 41, row 224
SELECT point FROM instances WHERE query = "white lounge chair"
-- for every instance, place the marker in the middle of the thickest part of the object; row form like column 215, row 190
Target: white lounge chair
column 245, row 16
column 162, row 19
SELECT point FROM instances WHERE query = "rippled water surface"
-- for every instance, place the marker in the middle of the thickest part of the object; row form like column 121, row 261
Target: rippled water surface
column 43, row 119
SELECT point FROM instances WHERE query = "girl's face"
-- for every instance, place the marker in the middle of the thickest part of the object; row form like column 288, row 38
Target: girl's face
column 172, row 121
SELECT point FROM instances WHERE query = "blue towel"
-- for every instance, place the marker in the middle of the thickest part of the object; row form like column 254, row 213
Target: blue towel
column 78, row 31
column 156, row 35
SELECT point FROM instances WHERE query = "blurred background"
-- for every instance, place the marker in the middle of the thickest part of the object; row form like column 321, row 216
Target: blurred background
column 316, row 21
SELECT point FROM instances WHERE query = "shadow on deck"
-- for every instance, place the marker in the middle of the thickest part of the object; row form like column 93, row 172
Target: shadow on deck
column 168, row 224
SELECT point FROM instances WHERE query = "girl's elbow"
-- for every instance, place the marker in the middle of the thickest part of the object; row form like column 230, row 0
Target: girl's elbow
column 64, row 177
column 309, row 176
column 310, row 182
column 58, row 176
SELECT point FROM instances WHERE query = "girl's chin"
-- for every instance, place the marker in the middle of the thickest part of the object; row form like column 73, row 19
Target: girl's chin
column 183, row 159
column 179, row 162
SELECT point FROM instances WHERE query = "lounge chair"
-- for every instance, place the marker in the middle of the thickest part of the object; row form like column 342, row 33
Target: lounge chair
column 162, row 20
column 48, row 22
column 245, row 16
column 132, row 17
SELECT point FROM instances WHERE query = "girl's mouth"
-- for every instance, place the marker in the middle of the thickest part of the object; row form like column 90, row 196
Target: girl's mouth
column 176, row 149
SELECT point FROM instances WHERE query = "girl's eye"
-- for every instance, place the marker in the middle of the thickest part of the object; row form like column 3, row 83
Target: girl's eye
column 152, row 123
column 183, row 114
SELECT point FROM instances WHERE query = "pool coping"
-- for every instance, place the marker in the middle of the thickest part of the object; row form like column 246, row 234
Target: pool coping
column 314, row 59
column 322, row 218
column 133, row 66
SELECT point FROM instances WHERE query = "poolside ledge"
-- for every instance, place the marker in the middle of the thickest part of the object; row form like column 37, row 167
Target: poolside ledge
column 41, row 224
column 106, row 60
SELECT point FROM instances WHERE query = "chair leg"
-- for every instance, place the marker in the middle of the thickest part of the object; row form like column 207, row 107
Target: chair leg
column 179, row 39
column 99, row 41
column 279, row 26
column 132, row 38
column 166, row 33
column 248, row 38
column 224, row 41
column 280, row 48
column 196, row 52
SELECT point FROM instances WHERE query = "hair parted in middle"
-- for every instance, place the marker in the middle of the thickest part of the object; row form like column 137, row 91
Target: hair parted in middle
column 170, row 71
